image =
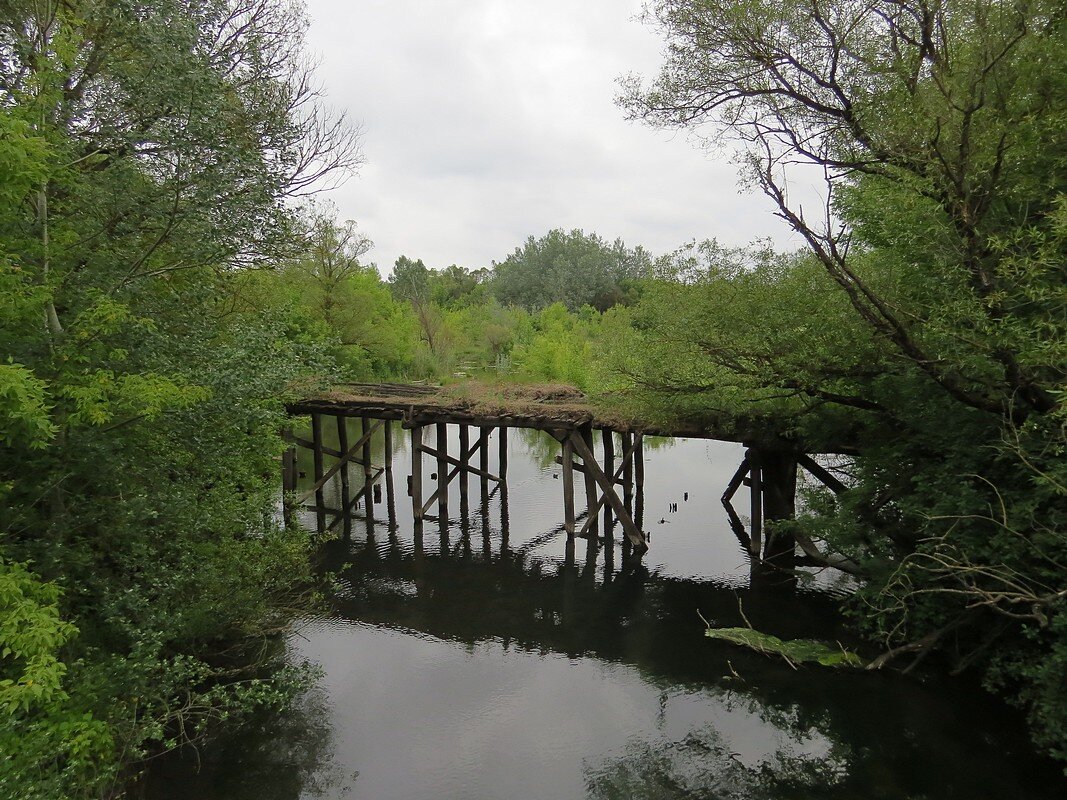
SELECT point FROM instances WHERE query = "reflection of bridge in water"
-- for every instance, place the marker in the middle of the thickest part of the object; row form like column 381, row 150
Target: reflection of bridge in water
column 613, row 482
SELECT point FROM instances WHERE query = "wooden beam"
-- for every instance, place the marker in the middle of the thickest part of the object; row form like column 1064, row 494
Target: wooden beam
column 820, row 472
column 317, row 488
column 608, row 440
column 430, row 451
column 297, row 440
column 442, row 486
column 736, row 481
column 633, row 533
column 602, row 500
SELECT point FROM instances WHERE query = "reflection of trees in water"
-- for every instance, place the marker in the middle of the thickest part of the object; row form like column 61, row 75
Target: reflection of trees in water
column 702, row 765
column 283, row 755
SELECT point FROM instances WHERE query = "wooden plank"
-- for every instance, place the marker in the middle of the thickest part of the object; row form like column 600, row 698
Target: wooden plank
column 633, row 533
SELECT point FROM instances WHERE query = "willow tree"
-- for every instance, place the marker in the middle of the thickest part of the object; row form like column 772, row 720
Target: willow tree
column 935, row 129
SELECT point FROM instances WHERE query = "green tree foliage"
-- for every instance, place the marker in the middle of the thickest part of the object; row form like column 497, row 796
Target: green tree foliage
column 936, row 328
column 147, row 153
column 575, row 268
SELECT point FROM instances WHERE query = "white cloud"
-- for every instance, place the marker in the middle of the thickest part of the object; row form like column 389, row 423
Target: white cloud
column 487, row 121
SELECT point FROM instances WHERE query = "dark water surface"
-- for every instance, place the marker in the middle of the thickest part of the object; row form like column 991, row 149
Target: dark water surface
column 483, row 658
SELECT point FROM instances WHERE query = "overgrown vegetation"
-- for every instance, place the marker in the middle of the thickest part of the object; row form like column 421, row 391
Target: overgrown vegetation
column 163, row 291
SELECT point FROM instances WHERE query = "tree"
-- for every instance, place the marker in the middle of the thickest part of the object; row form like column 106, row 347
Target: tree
column 936, row 129
column 573, row 268
column 149, row 151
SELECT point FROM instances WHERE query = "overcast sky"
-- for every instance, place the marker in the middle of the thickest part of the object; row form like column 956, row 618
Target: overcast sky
column 487, row 121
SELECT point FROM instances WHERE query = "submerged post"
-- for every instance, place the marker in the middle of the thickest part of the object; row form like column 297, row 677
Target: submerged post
column 628, row 470
column 779, row 503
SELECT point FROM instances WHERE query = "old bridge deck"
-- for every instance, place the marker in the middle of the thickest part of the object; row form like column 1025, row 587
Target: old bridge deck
column 769, row 467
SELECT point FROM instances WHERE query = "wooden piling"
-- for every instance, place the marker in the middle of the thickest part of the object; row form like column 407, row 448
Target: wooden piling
column 628, row 470
column 390, row 495
column 342, row 446
column 464, row 446
column 289, row 472
column 368, row 471
column 442, row 468
column 609, row 469
column 483, row 457
column 320, row 495
column 639, row 461
column 503, row 445
column 416, row 471
column 588, row 459
column 568, row 487
column 755, row 482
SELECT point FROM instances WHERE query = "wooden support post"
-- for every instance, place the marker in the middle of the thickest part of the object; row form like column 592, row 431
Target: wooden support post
column 779, row 479
column 503, row 445
column 632, row 531
column 464, row 446
column 390, row 492
column 416, row 472
column 735, row 481
column 568, row 487
column 289, row 472
column 368, row 478
column 755, row 482
column 639, row 462
column 342, row 446
column 628, row 470
column 442, row 468
column 609, row 469
column 588, row 459
column 483, row 458
column 320, row 495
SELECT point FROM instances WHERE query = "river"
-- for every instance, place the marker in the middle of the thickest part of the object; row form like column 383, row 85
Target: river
column 482, row 657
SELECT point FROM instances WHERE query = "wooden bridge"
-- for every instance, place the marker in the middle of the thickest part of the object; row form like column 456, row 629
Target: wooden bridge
column 612, row 481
